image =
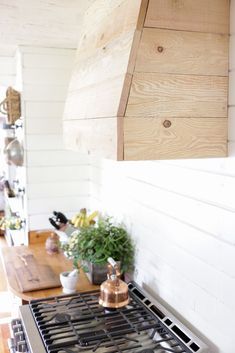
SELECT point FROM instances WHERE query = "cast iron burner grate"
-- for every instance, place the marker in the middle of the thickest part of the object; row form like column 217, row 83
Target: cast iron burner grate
column 77, row 323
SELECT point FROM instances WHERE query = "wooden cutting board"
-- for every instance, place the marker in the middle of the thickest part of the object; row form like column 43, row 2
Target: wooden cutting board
column 29, row 273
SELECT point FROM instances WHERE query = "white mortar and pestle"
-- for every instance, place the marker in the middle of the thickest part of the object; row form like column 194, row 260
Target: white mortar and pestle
column 69, row 280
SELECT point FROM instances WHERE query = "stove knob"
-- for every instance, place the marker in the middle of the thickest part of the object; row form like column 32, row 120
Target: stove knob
column 19, row 336
column 21, row 346
column 15, row 322
column 16, row 328
column 11, row 345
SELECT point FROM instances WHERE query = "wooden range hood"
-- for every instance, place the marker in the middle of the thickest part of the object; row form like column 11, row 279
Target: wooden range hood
column 150, row 80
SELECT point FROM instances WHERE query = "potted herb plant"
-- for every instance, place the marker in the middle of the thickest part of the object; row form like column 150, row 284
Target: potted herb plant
column 91, row 246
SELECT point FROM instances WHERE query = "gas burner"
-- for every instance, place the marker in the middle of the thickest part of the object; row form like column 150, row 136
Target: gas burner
column 76, row 323
column 110, row 310
column 62, row 317
column 147, row 350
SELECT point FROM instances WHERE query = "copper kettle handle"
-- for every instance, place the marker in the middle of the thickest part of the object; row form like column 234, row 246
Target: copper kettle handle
column 112, row 265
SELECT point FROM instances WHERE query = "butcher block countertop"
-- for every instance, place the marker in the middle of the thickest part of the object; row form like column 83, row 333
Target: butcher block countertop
column 34, row 263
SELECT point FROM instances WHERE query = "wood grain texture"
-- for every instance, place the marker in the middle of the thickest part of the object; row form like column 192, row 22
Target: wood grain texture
column 107, row 62
column 94, row 136
column 180, row 52
column 105, row 56
column 106, row 21
column 210, row 16
column 4, row 335
column 39, row 236
column 98, row 101
column 164, row 95
column 147, row 138
column 58, row 262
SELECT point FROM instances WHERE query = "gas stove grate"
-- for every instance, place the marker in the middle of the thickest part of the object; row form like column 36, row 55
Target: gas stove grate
column 77, row 323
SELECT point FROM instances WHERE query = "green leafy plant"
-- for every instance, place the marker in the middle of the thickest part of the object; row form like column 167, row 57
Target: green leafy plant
column 96, row 243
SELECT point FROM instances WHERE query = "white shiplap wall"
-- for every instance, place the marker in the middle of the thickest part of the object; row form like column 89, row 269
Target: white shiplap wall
column 56, row 179
column 181, row 215
column 7, row 78
column 7, row 69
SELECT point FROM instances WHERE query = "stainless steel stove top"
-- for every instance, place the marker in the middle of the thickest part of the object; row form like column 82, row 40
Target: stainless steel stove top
column 77, row 323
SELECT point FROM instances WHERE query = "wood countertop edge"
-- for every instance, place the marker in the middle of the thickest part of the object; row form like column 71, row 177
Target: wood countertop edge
column 82, row 286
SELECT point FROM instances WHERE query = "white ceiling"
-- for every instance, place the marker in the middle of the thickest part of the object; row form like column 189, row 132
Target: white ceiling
column 50, row 23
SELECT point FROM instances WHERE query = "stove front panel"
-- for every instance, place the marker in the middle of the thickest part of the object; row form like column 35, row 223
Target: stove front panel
column 32, row 336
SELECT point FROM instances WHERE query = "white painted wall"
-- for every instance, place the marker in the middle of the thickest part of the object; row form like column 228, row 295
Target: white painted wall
column 181, row 215
column 7, row 69
column 7, row 78
column 56, row 179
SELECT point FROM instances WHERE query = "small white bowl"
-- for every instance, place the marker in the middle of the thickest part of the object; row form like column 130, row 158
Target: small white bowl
column 68, row 283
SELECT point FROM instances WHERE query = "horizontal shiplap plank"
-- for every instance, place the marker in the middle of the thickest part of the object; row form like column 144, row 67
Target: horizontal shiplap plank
column 104, row 99
column 187, row 272
column 40, row 221
column 7, row 80
column 41, row 126
column 200, row 53
column 45, row 142
column 106, row 21
column 46, row 51
column 210, row 218
column 105, row 64
column 55, row 158
column 48, row 61
column 147, row 138
column 95, row 136
column 57, row 174
column 47, row 205
column 44, row 92
column 202, row 15
column 166, row 95
column 58, row 189
column 7, row 65
column 45, row 76
column 43, row 110
column 204, row 186
column 214, row 220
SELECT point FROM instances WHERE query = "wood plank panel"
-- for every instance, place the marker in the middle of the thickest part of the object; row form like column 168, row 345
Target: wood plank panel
column 182, row 52
column 164, row 95
column 107, row 20
column 99, row 86
column 105, row 99
column 105, row 63
column 147, row 138
column 94, row 136
column 201, row 16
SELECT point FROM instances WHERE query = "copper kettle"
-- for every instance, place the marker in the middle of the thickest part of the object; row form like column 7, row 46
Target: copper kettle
column 113, row 292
